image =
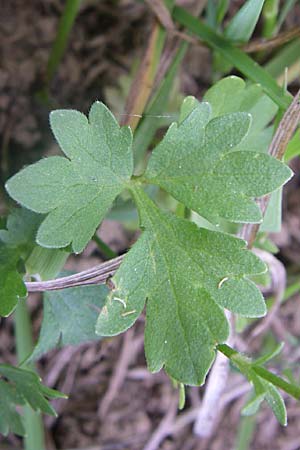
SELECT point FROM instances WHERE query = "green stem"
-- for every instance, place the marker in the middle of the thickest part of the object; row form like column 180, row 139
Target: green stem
column 35, row 439
column 270, row 12
column 284, row 10
column 61, row 40
column 291, row 389
column 245, row 433
column 104, row 248
column 246, row 366
column 227, row 351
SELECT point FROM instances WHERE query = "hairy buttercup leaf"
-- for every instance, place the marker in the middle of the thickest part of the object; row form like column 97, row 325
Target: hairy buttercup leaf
column 213, row 162
column 197, row 164
column 12, row 286
column 188, row 276
column 10, row 420
column 21, row 229
column 20, row 387
column 69, row 317
column 76, row 191
column 231, row 94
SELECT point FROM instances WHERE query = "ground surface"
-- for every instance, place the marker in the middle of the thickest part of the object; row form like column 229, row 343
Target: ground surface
column 114, row 402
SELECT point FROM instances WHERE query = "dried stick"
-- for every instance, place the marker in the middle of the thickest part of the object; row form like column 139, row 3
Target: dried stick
column 164, row 428
column 210, row 407
column 129, row 350
column 282, row 136
column 268, row 44
column 95, row 275
column 162, row 13
column 169, row 427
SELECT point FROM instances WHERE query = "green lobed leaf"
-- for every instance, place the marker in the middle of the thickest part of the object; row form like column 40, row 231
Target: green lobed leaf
column 21, row 229
column 69, row 317
column 76, row 191
column 198, row 164
column 231, row 94
column 20, row 387
column 10, row 420
column 188, row 275
column 242, row 25
column 12, row 286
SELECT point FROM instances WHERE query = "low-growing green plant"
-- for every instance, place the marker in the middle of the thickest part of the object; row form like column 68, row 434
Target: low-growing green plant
column 215, row 175
column 213, row 161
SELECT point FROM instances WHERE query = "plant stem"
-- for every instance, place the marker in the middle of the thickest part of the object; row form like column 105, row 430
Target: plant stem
column 270, row 12
column 245, row 433
column 104, row 248
column 34, row 439
column 245, row 365
column 61, row 39
column 291, row 389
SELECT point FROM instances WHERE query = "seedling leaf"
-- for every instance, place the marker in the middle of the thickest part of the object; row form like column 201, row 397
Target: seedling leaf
column 188, row 275
column 20, row 233
column 20, row 387
column 197, row 164
column 12, row 286
column 77, row 191
column 69, row 317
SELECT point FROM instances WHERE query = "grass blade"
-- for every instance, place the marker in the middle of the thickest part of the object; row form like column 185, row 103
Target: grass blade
column 242, row 25
column 150, row 123
column 60, row 43
column 235, row 56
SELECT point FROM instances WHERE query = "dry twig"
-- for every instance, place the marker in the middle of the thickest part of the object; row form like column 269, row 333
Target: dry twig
column 129, row 350
column 284, row 133
column 217, row 381
column 164, row 428
column 258, row 45
column 162, row 13
column 278, row 277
